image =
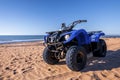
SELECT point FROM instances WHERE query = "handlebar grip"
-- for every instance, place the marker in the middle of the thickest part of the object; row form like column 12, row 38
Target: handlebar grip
column 79, row 21
column 83, row 20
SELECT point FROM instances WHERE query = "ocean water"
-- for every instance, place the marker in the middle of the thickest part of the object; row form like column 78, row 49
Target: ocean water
column 19, row 38
column 27, row 38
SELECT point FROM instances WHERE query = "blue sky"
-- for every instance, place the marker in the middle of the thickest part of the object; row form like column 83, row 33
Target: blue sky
column 35, row 17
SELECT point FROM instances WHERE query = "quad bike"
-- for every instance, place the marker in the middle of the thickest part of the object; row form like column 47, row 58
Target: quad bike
column 73, row 45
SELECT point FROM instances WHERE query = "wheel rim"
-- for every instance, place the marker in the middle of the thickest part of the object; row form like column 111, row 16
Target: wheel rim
column 79, row 58
column 103, row 48
column 52, row 56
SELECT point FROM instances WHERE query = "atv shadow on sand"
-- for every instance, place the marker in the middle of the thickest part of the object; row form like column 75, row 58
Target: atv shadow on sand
column 111, row 61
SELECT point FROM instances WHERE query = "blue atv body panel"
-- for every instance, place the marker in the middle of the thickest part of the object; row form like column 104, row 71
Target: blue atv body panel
column 45, row 36
column 81, row 36
column 96, row 37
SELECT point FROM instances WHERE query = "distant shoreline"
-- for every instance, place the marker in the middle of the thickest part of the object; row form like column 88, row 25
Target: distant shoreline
column 12, row 42
column 20, row 38
column 111, row 36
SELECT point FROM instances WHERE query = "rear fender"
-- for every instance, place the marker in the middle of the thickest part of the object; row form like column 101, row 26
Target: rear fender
column 95, row 37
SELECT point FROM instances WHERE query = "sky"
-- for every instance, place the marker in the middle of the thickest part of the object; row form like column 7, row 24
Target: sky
column 35, row 17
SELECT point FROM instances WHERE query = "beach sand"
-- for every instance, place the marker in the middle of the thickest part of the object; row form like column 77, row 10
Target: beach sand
column 23, row 61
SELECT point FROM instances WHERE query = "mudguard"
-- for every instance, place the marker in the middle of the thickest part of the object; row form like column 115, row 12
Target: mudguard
column 80, row 35
column 45, row 36
column 95, row 37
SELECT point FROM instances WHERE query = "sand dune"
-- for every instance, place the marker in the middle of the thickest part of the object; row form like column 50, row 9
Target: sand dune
column 23, row 61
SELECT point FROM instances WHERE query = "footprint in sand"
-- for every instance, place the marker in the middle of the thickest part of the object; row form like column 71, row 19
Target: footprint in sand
column 24, row 70
column 14, row 72
column 1, row 78
column 52, row 71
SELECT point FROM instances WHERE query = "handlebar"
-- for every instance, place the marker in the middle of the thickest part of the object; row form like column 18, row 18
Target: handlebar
column 75, row 23
column 79, row 21
column 83, row 20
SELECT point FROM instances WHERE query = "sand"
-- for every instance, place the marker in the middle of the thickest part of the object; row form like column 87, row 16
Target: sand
column 23, row 61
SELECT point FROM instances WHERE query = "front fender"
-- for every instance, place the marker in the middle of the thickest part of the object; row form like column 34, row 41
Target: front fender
column 45, row 38
column 76, row 35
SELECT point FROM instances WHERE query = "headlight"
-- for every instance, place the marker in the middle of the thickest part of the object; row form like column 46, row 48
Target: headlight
column 67, row 37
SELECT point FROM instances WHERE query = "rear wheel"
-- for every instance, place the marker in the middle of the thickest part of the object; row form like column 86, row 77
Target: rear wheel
column 49, row 57
column 76, row 58
column 101, row 52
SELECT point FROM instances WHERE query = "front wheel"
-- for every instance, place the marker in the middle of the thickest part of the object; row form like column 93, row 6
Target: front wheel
column 76, row 58
column 49, row 57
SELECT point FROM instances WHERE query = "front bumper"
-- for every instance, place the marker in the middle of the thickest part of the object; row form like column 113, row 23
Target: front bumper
column 56, row 47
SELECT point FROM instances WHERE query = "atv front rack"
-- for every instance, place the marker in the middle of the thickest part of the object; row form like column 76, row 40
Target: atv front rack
column 58, row 46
